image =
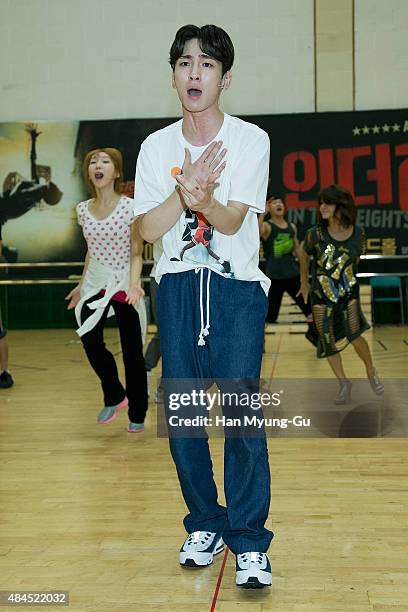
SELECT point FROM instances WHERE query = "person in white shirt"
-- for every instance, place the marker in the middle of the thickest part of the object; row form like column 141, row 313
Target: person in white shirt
column 111, row 284
column 199, row 184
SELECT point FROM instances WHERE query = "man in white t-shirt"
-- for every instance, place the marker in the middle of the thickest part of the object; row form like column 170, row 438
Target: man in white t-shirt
column 200, row 183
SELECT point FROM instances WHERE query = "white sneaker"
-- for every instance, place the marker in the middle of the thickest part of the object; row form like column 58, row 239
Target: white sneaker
column 199, row 549
column 253, row 570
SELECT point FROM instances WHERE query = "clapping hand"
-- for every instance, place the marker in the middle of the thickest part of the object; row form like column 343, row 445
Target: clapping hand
column 197, row 182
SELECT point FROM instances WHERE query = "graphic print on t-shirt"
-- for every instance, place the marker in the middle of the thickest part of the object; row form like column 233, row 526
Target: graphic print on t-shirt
column 197, row 234
column 283, row 244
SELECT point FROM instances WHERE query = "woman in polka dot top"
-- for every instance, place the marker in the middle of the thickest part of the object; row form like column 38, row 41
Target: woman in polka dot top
column 111, row 284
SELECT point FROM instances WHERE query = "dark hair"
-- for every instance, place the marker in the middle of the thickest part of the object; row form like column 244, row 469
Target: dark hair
column 346, row 210
column 213, row 41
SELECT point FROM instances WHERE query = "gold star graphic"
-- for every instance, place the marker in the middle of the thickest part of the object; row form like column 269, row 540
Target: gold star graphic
column 396, row 127
column 366, row 130
column 386, row 128
column 376, row 129
column 356, row 131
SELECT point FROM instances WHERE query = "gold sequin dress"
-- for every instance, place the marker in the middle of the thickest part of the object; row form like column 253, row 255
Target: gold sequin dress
column 337, row 315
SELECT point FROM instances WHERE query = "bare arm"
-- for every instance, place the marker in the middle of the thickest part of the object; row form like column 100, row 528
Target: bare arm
column 226, row 219
column 297, row 250
column 155, row 223
column 264, row 227
column 86, row 264
column 135, row 291
column 304, row 260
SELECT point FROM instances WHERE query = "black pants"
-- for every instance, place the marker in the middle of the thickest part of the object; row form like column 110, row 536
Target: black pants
column 104, row 365
column 278, row 288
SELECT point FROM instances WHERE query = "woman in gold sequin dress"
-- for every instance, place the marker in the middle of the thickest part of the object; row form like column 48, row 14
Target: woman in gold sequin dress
column 336, row 244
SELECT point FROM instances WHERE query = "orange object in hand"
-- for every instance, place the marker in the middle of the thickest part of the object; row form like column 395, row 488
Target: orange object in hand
column 176, row 171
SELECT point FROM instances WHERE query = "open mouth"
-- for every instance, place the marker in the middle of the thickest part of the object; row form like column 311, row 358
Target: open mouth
column 194, row 93
column 99, row 175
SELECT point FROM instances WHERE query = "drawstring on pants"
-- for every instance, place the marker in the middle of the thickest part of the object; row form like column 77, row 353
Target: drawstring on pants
column 204, row 331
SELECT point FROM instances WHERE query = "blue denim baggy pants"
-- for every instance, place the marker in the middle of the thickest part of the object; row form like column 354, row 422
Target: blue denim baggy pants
column 232, row 351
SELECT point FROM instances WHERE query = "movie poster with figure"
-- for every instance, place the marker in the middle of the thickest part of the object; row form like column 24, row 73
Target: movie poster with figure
column 39, row 187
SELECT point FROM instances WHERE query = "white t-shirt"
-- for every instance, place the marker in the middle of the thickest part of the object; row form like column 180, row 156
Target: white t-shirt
column 192, row 243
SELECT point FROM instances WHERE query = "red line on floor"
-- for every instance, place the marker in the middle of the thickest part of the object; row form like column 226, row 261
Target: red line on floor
column 217, row 588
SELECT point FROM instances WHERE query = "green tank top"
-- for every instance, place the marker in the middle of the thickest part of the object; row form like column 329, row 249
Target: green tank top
column 278, row 249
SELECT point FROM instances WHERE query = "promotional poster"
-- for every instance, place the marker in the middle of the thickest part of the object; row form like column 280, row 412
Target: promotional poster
column 367, row 152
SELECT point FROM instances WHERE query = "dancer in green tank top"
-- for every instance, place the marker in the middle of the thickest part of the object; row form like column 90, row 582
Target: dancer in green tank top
column 281, row 250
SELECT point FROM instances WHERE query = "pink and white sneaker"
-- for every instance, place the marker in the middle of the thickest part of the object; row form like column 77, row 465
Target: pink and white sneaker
column 109, row 413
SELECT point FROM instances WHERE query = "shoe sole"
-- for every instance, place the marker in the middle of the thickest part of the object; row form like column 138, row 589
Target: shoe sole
column 342, row 402
column 248, row 581
column 189, row 562
column 135, row 430
column 119, row 407
column 253, row 583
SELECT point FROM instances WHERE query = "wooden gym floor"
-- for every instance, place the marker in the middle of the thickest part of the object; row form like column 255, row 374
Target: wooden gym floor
column 97, row 511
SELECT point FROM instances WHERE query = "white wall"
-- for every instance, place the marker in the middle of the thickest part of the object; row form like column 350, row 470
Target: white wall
column 381, row 40
column 334, row 55
column 94, row 59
